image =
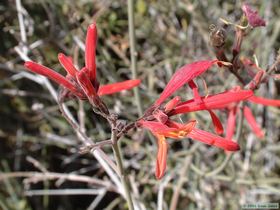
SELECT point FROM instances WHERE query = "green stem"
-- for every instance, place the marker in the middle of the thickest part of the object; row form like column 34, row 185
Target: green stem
column 221, row 167
column 133, row 53
column 124, row 180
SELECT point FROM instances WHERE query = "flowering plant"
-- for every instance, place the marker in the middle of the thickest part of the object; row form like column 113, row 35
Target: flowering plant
column 84, row 85
column 162, row 117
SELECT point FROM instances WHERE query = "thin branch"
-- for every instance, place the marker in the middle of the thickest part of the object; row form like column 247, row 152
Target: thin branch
column 88, row 148
column 182, row 177
column 97, row 199
column 162, row 186
column 124, row 180
column 66, row 114
column 133, row 53
column 35, row 177
column 64, row 192
column 21, row 26
column 36, row 164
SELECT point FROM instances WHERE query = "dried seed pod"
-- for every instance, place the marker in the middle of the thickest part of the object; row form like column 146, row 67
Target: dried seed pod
column 217, row 37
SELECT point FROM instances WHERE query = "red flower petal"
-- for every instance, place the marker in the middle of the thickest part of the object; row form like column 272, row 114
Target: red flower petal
column 89, row 90
column 217, row 123
column 171, row 129
column 172, row 104
column 47, row 72
column 196, row 95
column 183, row 76
column 67, row 64
column 217, row 101
column 161, row 156
column 253, row 17
column 231, row 123
column 117, row 87
column 264, row 101
column 91, row 40
column 211, row 139
column 180, row 132
column 197, row 98
column 252, row 122
column 152, row 125
column 85, row 83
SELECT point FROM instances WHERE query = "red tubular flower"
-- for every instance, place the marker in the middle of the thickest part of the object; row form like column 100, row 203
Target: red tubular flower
column 117, row 87
column 252, row 16
column 252, row 122
column 161, row 131
column 45, row 71
column 90, row 52
column 218, row 101
column 182, row 76
column 264, row 101
column 161, row 156
column 89, row 86
column 231, row 123
column 196, row 95
column 89, row 90
column 85, row 83
column 211, row 139
column 217, row 123
column 207, row 138
column 172, row 104
column 67, row 64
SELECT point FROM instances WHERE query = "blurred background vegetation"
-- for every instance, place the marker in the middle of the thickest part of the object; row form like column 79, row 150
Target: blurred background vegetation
column 35, row 137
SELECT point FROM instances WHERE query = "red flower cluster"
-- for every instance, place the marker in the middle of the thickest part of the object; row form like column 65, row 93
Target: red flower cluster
column 82, row 84
column 157, row 117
